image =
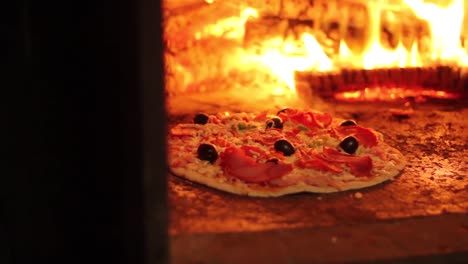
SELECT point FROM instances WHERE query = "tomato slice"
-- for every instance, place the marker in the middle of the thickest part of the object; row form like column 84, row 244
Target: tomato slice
column 364, row 135
column 236, row 163
column 359, row 165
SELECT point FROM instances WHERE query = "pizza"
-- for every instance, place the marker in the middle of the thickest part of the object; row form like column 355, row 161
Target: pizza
column 274, row 153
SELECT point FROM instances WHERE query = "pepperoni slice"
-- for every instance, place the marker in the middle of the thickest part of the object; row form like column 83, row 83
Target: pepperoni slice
column 359, row 165
column 267, row 137
column 364, row 135
column 310, row 159
column 323, row 120
column 261, row 116
column 254, row 152
column 311, row 120
column 236, row 163
column 319, row 164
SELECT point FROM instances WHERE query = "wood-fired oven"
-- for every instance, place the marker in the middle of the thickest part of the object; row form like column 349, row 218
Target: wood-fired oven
column 388, row 64
column 95, row 84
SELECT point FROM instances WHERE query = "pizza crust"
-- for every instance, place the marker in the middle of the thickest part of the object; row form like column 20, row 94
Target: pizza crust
column 260, row 191
column 391, row 169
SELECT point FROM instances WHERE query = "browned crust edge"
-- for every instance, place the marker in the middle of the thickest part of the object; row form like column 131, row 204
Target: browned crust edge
column 389, row 172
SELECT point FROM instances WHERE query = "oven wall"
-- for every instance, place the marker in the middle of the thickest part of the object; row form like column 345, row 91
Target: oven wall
column 78, row 171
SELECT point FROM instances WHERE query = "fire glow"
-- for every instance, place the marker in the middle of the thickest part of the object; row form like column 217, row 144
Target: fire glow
column 283, row 57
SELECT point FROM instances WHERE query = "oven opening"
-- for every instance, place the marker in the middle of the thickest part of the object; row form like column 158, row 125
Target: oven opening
column 397, row 66
column 346, row 50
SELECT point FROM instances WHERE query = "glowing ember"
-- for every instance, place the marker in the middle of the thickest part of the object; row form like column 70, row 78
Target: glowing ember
column 388, row 94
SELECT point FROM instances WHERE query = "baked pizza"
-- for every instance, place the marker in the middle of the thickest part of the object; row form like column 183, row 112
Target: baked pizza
column 274, row 153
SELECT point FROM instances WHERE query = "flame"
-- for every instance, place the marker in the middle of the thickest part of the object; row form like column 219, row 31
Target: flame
column 344, row 51
column 399, row 57
column 446, row 26
column 283, row 64
column 231, row 27
column 282, row 57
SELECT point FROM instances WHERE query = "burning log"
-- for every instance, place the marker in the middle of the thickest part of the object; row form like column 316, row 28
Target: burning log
column 333, row 21
column 259, row 30
column 441, row 78
column 207, row 40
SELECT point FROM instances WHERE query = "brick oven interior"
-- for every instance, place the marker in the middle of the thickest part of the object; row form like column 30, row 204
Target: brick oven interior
column 421, row 216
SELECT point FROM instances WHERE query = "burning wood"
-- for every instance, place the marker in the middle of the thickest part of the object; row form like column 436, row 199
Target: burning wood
column 331, row 46
column 335, row 24
column 450, row 82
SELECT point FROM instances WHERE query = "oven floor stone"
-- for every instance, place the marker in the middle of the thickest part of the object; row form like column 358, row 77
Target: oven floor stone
column 437, row 239
column 433, row 187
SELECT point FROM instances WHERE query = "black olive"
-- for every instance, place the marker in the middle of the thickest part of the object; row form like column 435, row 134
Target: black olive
column 274, row 160
column 284, row 146
column 201, row 119
column 348, row 123
column 284, row 110
column 207, row 152
column 275, row 122
column 349, row 144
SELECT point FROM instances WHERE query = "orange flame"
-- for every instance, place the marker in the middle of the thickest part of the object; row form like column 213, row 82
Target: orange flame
column 284, row 57
column 446, row 26
column 231, row 27
column 283, row 65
